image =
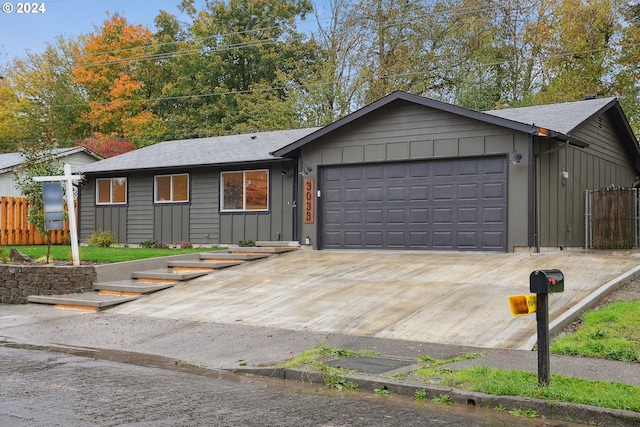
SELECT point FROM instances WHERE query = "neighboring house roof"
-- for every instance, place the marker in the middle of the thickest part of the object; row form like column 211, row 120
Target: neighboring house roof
column 558, row 120
column 245, row 148
column 9, row 161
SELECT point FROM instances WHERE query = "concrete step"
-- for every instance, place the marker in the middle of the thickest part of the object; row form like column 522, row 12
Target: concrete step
column 166, row 275
column 195, row 266
column 228, row 256
column 129, row 287
column 277, row 243
column 92, row 301
column 262, row 249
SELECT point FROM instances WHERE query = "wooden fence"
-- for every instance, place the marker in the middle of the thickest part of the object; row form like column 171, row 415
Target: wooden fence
column 16, row 230
column 612, row 219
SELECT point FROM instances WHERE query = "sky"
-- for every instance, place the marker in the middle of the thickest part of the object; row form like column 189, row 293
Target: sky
column 70, row 18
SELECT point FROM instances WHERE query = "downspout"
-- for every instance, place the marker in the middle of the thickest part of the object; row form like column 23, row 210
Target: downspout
column 535, row 172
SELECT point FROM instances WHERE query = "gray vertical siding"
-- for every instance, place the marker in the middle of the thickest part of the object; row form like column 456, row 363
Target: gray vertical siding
column 86, row 210
column 205, row 200
column 171, row 223
column 140, row 211
column 405, row 131
column 561, row 202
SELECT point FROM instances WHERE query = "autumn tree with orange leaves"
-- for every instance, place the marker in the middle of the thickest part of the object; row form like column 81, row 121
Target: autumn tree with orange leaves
column 111, row 67
column 107, row 146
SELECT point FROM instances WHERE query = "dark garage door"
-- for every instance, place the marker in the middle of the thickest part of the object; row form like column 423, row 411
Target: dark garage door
column 452, row 204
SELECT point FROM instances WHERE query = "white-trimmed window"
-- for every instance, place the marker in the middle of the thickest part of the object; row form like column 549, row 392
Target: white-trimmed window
column 245, row 190
column 111, row 191
column 171, row 188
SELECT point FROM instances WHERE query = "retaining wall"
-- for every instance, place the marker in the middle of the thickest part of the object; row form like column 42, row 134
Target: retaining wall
column 17, row 282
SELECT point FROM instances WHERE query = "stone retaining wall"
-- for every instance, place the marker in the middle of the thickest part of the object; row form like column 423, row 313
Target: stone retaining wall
column 17, row 282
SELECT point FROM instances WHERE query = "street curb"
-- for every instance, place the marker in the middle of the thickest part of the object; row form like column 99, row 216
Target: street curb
column 573, row 412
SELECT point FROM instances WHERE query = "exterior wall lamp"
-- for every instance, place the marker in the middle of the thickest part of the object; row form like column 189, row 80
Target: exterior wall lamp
column 515, row 157
column 305, row 170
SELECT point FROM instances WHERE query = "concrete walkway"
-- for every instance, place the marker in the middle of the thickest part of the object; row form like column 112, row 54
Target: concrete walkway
column 447, row 298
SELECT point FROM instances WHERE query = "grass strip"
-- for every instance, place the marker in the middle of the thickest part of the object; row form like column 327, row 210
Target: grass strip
column 101, row 254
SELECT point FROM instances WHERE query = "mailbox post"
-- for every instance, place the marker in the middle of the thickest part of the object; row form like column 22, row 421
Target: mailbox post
column 542, row 283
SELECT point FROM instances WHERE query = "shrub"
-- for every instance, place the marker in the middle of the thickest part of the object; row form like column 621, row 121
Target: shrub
column 102, row 239
column 246, row 243
column 186, row 245
column 148, row 244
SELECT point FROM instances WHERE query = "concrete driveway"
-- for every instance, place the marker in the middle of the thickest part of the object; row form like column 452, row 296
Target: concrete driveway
column 448, row 298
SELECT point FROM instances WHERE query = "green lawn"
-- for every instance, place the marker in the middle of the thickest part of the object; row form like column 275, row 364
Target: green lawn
column 99, row 254
column 610, row 332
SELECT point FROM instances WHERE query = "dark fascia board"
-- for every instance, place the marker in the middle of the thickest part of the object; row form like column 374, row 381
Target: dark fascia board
column 170, row 169
column 404, row 96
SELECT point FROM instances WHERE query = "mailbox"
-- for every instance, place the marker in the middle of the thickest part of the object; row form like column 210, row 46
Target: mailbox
column 546, row 281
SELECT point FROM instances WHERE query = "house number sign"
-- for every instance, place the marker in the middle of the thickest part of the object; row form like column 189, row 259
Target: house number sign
column 308, row 201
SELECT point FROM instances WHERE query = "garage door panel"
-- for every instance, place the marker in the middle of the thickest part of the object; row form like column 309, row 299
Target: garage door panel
column 374, row 217
column 418, row 193
column 494, row 215
column 419, row 240
column 468, row 216
column 396, row 216
column 418, row 216
column 453, row 204
column 396, row 194
column 352, row 217
column 468, row 191
column 442, row 240
column 493, row 240
column 375, row 194
column 353, row 195
column 443, row 216
column 333, row 195
column 493, row 190
column 443, row 192
column 467, row 240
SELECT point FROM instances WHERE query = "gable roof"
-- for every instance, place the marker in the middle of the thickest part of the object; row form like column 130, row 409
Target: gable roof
column 9, row 161
column 558, row 120
column 563, row 118
column 252, row 147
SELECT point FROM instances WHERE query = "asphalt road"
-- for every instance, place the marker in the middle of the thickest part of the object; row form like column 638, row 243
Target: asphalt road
column 43, row 388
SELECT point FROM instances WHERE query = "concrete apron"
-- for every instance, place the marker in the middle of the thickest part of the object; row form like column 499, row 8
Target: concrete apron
column 448, row 298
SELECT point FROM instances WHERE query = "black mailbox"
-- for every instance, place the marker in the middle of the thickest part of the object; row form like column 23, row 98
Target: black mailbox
column 546, row 281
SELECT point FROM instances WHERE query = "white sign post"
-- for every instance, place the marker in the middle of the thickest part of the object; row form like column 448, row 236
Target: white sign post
column 75, row 253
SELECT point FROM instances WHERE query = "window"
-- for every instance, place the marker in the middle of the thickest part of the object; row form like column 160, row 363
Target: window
column 171, row 188
column 111, row 191
column 245, row 191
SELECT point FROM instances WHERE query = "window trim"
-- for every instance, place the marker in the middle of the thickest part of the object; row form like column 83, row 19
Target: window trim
column 111, row 202
column 244, row 192
column 171, row 175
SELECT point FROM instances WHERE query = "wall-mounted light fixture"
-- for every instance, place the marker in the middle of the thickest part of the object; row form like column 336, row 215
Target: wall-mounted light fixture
column 305, row 170
column 284, row 171
column 515, row 157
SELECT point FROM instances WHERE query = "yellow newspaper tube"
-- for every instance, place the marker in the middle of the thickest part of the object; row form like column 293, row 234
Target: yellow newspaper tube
column 522, row 305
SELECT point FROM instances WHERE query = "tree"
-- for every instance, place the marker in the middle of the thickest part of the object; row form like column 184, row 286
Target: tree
column 250, row 60
column 38, row 97
column 107, row 147
column 39, row 160
column 111, row 67
column 578, row 48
